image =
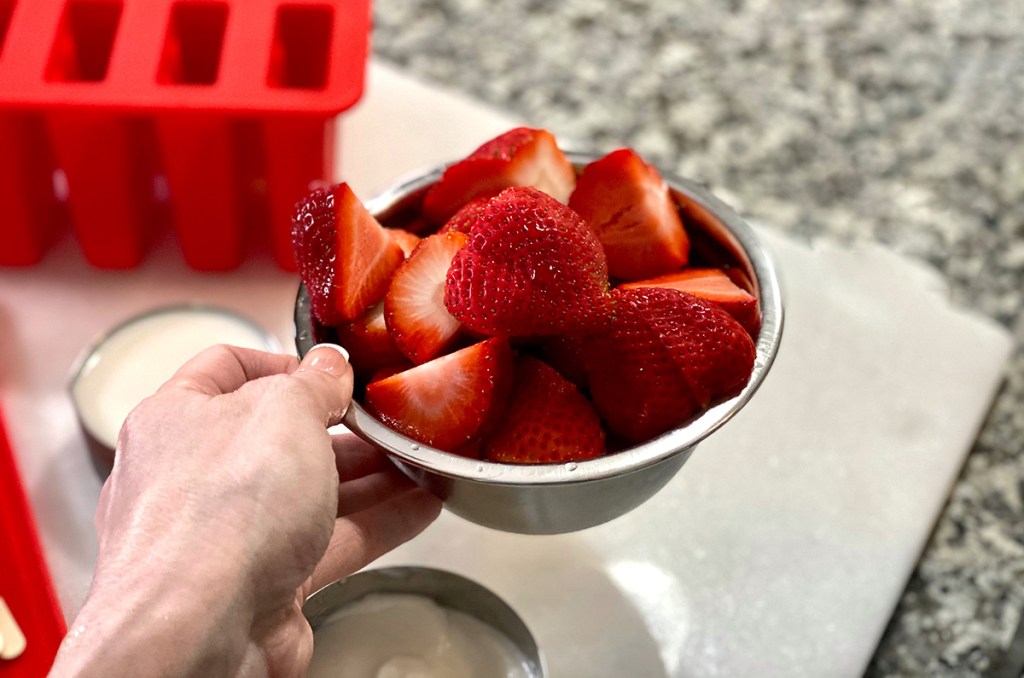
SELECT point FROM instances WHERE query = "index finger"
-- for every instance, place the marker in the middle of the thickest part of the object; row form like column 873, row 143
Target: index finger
column 224, row 369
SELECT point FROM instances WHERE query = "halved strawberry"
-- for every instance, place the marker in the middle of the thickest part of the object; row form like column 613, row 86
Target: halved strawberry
column 414, row 306
column 405, row 239
column 368, row 342
column 714, row 285
column 666, row 356
column 519, row 157
column 390, row 371
column 344, row 256
column 547, row 421
column 444, row 403
column 627, row 203
column 530, row 267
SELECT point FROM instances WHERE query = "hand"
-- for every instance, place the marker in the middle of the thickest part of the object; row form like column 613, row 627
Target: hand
column 228, row 504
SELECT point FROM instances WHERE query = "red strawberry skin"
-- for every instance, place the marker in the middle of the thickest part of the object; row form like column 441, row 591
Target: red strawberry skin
column 627, row 203
column 714, row 285
column 666, row 357
column 414, row 307
column 463, row 220
column 344, row 256
column 448, row 401
column 547, row 421
column 519, row 157
column 531, row 267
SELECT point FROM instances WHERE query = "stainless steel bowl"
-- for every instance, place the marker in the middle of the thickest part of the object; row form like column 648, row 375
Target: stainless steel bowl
column 557, row 498
column 447, row 589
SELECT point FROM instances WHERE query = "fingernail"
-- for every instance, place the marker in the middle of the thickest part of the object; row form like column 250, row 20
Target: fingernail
column 326, row 361
column 336, row 347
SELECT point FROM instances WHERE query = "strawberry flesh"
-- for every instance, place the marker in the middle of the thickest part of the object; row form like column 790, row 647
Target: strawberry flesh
column 446, row 402
column 530, row 267
column 368, row 342
column 547, row 421
column 344, row 256
column 519, row 157
column 627, row 203
column 405, row 239
column 667, row 356
column 414, row 307
column 713, row 285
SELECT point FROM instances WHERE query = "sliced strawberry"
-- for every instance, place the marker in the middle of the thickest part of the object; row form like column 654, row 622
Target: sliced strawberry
column 405, row 239
column 414, row 306
column 390, row 371
column 531, row 267
column 444, row 403
column 667, row 356
column 463, row 220
column 714, row 285
column 368, row 342
column 547, row 421
column 519, row 157
column 344, row 256
column 628, row 205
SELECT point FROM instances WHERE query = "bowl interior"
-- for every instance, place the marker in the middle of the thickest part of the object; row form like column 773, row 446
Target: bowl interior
column 718, row 236
column 447, row 589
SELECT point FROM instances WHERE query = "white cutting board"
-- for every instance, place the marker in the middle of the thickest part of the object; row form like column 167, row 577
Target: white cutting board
column 779, row 550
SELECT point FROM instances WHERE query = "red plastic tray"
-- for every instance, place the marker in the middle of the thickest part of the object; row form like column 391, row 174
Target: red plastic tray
column 222, row 109
column 24, row 581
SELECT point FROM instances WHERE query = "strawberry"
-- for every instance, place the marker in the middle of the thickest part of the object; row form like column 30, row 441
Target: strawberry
column 444, row 403
column 390, row 371
column 463, row 220
column 530, row 267
column 414, row 306
column 368, row 342
column 471, row 450
column 405, row 239
column 519, row 157
column 627, row 203
column 344, row 256
column 547, row 421
column 714, row 285
column 666, row 357
column 564, row 353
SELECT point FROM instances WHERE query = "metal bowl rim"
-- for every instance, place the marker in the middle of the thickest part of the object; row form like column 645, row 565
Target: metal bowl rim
column 322, row 604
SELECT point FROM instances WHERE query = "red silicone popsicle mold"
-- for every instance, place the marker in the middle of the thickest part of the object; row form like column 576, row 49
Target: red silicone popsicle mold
column 25, row 582
column 221, row 110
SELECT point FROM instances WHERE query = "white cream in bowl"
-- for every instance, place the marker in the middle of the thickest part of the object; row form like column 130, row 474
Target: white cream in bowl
column 398, row 635
column 136, row 358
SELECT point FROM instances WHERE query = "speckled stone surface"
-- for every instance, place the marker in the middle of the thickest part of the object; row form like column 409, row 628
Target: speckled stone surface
column 900, row 121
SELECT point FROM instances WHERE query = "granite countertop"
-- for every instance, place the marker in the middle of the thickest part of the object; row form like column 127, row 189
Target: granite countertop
column 898, row 122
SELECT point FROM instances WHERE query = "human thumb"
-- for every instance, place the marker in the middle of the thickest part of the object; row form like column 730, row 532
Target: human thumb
column 326, row 372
